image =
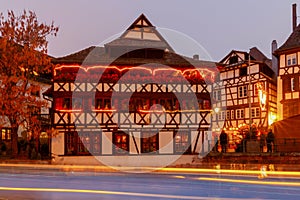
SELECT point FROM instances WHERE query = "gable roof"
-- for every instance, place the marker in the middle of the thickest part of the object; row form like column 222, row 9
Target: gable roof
column 232, row 52
column 141, row 34
column 255, row 54
column 292, row 42
column 97, row 55
column 133, row 38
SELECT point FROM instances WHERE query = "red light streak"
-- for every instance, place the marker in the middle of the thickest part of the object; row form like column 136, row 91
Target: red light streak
column 69, row 110
column 202, row 71
column 172, row 111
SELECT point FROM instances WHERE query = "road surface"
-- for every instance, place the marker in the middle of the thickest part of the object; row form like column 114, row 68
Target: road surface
column 77, row 185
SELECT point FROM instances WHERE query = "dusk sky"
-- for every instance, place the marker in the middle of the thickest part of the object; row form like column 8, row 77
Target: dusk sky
column 218, row 25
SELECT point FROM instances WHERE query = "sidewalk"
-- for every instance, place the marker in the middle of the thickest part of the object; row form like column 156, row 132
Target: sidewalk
column 213, row 162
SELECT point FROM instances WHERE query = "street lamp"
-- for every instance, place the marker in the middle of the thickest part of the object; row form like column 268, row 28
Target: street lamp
column 217, row 118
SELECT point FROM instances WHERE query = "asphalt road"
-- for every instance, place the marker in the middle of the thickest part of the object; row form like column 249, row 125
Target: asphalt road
column 144, row 186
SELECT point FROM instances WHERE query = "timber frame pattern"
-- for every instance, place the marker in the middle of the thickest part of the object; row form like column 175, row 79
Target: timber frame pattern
column 93, row 122
column 234, row 85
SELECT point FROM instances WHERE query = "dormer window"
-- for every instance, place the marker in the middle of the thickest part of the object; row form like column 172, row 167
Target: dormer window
column 233, row 59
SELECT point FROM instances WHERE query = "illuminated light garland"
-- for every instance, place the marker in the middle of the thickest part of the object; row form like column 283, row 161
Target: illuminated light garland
column 69, row 110
column 104, row 110
column 262, row 95
column 172, row 111
column 142, row 111
column 151, row 71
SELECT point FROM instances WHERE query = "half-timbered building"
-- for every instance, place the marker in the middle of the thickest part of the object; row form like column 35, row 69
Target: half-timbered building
column 134, row 97
column 245, row 93
column 289, row 74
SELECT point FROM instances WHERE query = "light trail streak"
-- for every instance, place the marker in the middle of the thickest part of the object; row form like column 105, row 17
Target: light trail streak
column 294, row 184
column 229, row 171
column 103, row 192
column 99, row 168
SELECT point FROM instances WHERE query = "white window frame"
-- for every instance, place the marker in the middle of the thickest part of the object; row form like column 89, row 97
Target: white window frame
column 255, row 112
column 227, row 114
column 242, row 91
column 291, row 59
column 217, row 95
column 240, row 114
column 221, row 115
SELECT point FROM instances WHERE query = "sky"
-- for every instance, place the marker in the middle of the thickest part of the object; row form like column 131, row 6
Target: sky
column 219, row 26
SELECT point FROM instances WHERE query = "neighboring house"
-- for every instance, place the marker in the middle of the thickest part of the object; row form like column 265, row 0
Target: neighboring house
column 231, row 96
column 43, row 83
column 110, row 101
column 288, row 91
column 40, row 83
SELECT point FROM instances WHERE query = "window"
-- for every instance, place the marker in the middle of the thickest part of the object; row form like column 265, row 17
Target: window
column 243, row 71
column 217, row 95
column 5, row 134
column 149, row 142
column 206, row 104
column 291, row 59
column 71, row 142
column 83, row 143
column 221, row 116
column 232, row 114
column 233, row 59
column 255, row 112
column 240, row 114
column 227, row 114
column 242, row 90
column 182, row 142
column 66, row 103
column 101, row 103
column 77, row 103
column 62, row 103
column 121, row 143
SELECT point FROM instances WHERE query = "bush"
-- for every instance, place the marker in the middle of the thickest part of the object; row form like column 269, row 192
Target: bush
column 33, row 155
column 3, row 147
column 44, row 150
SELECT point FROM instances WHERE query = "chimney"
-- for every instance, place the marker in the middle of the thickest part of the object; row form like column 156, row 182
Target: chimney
column 274, row 58
column 196, row 57
column 294, row 10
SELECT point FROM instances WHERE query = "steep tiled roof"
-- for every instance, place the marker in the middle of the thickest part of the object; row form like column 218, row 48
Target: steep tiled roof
column 138, row 43
column 82, row 55
column 259, row 56
column 97, row 55
column 292, row 42
column 141, row 35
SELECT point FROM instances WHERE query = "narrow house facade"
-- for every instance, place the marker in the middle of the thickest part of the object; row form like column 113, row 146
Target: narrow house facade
column 244, row 94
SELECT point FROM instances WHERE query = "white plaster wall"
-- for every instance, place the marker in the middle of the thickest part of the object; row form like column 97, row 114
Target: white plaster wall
column 58, row 144
column 107, row 143
column 166, row 142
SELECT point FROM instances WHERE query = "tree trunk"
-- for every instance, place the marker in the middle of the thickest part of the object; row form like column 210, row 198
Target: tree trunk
column 14, row 142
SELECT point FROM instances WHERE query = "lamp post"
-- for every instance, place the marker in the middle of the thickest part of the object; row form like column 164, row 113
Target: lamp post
column 216, row 110
column 217, row 117
column 249, row 96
